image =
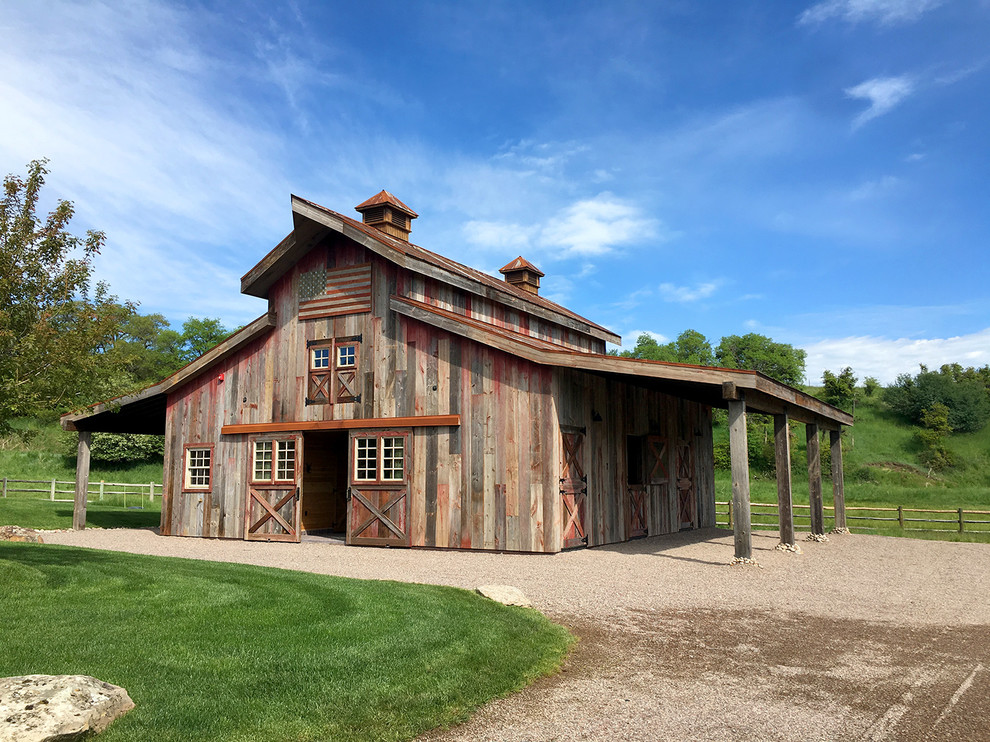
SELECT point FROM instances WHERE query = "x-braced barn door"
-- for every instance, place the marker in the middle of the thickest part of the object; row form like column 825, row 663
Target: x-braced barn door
column 573, row 487
column 636, row 523
column 686, row 500
column 271, row 511
column 378, row 496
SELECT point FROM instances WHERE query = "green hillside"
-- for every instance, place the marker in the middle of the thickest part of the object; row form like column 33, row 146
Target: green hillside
column 882, row 469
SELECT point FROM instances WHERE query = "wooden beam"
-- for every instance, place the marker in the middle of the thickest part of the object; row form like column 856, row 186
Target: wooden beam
column 739, row 455
column 418, row 421
column 838, row 483
column 782, row 458
column 815, row 484
column 82, row 481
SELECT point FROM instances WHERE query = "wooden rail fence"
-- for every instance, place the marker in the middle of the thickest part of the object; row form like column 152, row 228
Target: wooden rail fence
column 51, row 489
column 973, row 521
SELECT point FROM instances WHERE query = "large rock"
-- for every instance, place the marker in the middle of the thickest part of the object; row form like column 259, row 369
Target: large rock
column 505, row 594
column 53, row 708
column 16, row 533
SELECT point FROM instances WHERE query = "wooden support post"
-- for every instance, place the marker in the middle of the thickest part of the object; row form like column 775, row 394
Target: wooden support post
column 815, row 484
column 739, row 455
column 838, row 483
column 782, row 458
column 82, row 481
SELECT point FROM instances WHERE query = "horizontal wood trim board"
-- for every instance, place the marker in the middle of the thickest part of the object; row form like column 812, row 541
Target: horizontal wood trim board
column 418, row 421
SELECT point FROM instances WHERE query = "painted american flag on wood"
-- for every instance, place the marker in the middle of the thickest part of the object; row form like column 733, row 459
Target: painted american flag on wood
column 348, row 291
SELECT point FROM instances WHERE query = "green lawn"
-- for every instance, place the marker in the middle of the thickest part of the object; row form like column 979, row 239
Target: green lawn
column 31, row 513
column 214, row 651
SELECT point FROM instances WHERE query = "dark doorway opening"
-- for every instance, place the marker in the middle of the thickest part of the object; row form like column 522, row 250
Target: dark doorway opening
column 324, row 482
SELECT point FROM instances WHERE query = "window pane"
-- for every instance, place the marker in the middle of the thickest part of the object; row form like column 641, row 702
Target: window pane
column 321, row 358
column 286, row 469
column 346, row 355
column 262, row 461
column 365, row 459
column 392, row 459
column 198, row 468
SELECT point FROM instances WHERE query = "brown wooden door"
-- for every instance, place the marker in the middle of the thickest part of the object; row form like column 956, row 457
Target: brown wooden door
column 378, row 516
column 686, row 500
column 272, row 513
column 573, row 488
column 636, row 522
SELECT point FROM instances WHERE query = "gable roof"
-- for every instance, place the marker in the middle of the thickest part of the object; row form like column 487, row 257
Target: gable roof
column 311, row 220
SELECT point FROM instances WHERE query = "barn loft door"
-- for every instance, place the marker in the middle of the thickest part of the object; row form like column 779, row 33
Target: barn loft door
column 271, row 510
column 573, row 488
column 378, row 496
column 686, row 500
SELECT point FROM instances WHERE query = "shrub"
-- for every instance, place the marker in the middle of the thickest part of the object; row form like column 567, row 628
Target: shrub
column 965, row 399
column 118, row 448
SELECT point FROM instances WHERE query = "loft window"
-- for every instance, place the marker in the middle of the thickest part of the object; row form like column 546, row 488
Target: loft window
column 347, row 355
column 320, row 358
column 380, row 458
column 274, row 461
column 199, row 468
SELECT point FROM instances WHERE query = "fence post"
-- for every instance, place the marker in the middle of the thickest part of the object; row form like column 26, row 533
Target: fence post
column 101, row 490
column 5, row 486
column 900, row 515
column 52, row 497
column 151, row 491
column 730, row 513
column 960, row 520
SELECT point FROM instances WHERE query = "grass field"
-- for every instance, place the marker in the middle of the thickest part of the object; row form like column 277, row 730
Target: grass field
column 58, row 515
column 214, row 651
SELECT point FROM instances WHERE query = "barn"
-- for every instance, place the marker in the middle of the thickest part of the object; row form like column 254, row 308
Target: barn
column 403, row 399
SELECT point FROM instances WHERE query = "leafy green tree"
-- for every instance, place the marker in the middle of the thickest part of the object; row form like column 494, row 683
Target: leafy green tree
column 199, row 336
column 52, row 321
column 839, row 390
column 966, row 399
column 755, row 352
column 689, row 347
column 870, row 385
column 936, row 428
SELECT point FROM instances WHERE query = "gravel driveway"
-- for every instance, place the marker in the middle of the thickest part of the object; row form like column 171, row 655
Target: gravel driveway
column 863, row 637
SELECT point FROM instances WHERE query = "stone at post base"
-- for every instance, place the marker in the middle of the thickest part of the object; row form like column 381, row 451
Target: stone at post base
column 53, row 708
column 17, row 533
column 505, row 594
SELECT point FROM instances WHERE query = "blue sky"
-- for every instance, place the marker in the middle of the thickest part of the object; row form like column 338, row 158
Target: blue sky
column 813, row 171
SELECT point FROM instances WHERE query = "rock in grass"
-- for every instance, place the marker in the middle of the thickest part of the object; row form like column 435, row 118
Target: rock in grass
column 16, row 533
column 52, row 708
column 505, row 594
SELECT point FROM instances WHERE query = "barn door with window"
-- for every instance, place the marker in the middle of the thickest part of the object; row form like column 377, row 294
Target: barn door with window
column 686, row 500
column 573, row 488
column 271, row 512
column 378, row 496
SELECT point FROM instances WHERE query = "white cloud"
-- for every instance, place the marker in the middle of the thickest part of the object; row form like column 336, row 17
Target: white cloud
column 883, row 93
column 884, row 12
column 598, row 225
column 502, row 236
column 687, row 294
column 885, row 358
column 874, row 188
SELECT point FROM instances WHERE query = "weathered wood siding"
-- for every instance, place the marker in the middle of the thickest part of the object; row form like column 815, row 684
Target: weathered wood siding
column 610, row 411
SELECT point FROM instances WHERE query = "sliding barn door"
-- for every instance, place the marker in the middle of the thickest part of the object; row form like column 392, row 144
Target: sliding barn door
column 272, row 508
column 573, row 488
column 686, row 498
column 378, row 496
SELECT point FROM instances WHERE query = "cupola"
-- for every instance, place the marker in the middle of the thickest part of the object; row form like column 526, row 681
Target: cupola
column 522, row 274
column 388, row 214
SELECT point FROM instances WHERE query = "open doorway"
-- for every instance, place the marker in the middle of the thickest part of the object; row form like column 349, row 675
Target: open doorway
column 324, row 482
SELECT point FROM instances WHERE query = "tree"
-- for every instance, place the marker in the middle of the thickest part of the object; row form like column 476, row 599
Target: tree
column 935, row 422
column 52, row 322
column 962, row 393
column 839, row 390
column 199, row 336
column 755, row 352
column 870, row 385
column 689, row 347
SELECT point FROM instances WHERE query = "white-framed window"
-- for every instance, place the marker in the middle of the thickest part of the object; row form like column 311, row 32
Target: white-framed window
column 347, row 355
column 380, row 457
column 199, row 468
column 320, row 357
column 274, row 461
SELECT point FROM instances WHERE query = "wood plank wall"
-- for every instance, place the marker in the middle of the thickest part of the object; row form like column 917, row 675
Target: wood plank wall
column 492, row 483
